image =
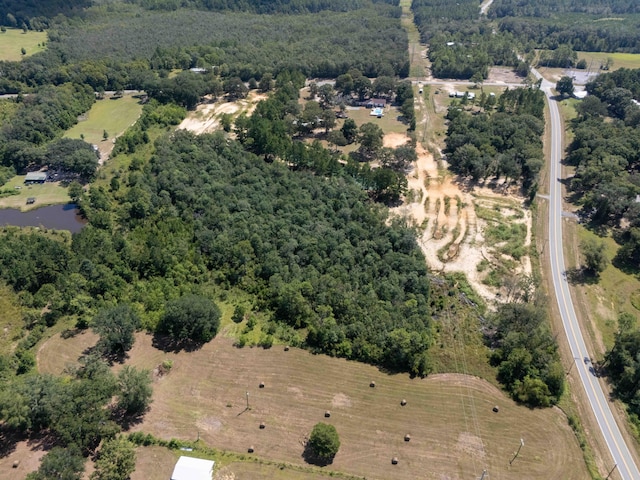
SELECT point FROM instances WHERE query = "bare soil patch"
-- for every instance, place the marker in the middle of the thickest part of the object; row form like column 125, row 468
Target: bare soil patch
column 503, row 75
column 393, row 140
column 452, row 236
column 206, row 117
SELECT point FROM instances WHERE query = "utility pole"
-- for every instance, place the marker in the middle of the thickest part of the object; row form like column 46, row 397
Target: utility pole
column 518, row 452
column 609, row 474
column 484, row 472
column 247, row 400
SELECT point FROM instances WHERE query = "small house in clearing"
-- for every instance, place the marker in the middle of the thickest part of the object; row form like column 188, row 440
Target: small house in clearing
column 189, row 468
column 35, row 177
column 376, row 103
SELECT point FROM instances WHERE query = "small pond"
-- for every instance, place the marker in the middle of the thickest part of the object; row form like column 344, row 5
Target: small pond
column 57, row 217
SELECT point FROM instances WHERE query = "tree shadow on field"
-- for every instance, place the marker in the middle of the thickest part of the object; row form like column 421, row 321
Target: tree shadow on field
column 579, row 276
column 126, row 421
column 168, row 344
column 8, row 441
column 310, row 457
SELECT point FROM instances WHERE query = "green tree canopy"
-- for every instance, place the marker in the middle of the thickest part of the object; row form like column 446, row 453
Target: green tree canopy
column 116, row 460
column 135, row 390
column 116, row 327
column 190, row 318
column 324, row 441
column 564, row 86
column 594, row 255
column 60, row 464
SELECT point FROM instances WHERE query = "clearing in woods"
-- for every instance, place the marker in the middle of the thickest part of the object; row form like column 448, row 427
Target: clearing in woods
column 454, row 432
column 113, row 115
column 14, row 40
column 206, row 117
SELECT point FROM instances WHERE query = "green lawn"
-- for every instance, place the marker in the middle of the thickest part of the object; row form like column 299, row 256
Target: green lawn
column 14, row 40
column 48, row 193
column 389, row 123
column 614, row 293
column 620, row 60
column 114, row 115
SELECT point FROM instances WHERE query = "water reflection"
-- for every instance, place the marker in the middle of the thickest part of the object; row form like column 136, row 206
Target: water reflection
column 58, row 217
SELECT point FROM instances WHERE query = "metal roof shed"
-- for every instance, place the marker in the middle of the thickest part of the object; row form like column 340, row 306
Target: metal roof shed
column 189, row 468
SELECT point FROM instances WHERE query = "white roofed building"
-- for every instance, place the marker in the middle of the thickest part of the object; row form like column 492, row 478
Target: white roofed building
column 189, row 468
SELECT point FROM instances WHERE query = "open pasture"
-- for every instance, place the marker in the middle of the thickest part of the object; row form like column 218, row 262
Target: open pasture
column 14, row 40
column 112, row 114
column 454, row 432
column 48, row 193
column 620, row 60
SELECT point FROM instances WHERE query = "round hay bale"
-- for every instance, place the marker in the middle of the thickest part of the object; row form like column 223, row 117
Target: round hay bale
column 262, row 426
column 261, row 385
column 286, row 348
column 372, row 384
column 250, row 449
column 403, row 402
column 407, row 437
column 394, row 461
column 327, row 414
column 496, row 409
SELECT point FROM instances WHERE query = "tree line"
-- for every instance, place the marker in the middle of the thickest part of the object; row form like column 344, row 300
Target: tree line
column 30, row 138
column 461, row 45
column 503, row 141
column 262, row 6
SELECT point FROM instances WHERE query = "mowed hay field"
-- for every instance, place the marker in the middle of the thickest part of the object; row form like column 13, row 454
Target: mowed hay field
column 112, row 114
column 14, row 40
column 454, row 433
column 620, row 60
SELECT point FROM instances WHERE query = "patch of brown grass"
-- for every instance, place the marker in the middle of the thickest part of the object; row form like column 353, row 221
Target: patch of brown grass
column 453, row 430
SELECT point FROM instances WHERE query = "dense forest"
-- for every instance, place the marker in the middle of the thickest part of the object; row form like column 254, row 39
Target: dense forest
column 461, row 44
column 113, row 48
column 261, row 6
column 503, row 140
column 550, row 8
column 590, row 25
column 526, row 353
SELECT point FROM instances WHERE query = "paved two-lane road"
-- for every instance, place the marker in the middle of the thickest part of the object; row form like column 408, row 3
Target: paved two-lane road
column 625, row 465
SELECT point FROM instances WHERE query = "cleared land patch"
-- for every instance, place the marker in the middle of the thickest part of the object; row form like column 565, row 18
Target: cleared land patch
column 113, row 115
column 453, row 430
column 14, row 40
column 48, row 193
column 620, row 60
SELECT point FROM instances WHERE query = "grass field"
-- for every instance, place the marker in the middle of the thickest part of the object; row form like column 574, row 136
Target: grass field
column 620, row 60
column 114, row 115
column 14, row 40
column 389, row 123
column 614, row 293
column 49, row 193
column 454, row 433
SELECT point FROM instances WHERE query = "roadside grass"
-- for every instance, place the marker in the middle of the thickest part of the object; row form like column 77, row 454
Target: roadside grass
column 14, row 40
column 11, row 319
column 614, row 292
column 568, row 109
column 48, row 193
column 449, row 417
column 620, row 60
column 114, row 115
